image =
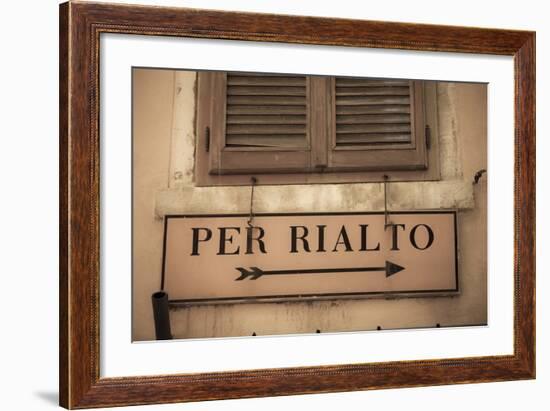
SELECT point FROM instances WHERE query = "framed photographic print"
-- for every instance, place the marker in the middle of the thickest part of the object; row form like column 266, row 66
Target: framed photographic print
column 256, row 205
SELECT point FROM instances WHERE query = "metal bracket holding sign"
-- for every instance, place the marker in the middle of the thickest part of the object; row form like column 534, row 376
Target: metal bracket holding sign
column 212, row 259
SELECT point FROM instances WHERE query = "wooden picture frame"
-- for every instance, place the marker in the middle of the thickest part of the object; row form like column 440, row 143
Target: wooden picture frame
column 80, row 27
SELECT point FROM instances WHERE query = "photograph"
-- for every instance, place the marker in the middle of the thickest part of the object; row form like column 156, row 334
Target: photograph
column 283, row 203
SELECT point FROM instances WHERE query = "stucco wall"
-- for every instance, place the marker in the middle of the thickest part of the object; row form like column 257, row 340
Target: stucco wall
column 152, row 109
column 164, row 139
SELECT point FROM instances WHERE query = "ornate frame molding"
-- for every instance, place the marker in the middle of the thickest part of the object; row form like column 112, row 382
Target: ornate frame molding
column 80, row 27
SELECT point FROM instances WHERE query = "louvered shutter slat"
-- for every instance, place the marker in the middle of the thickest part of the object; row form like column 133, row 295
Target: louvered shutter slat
column 266, row 100
column 344, row 110
column 374, row 138
column 264, row 91
column 265, row 140
column 362, row 82
column 266, row 111
column 266, row 119
column 365, row 100
column 372, row 128
column 372, row 91
column 272, row 129
column 374, row 119
column 370, row 112
column 264, row 80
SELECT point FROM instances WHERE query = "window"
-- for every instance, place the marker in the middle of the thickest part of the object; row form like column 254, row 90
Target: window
column 296, row 128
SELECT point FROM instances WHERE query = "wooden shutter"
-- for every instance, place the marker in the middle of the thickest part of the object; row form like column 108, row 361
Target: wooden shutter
column 258, row 123
column 378, row 124
column 372, row 111
column 262, row 124
column 266, row 110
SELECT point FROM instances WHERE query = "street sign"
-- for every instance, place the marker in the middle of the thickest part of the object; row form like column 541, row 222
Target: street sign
column 221, row 258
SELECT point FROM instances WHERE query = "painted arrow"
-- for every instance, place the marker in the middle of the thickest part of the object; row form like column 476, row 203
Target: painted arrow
column 254, row 272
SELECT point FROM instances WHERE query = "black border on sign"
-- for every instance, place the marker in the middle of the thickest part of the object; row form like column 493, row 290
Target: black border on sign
column 309, row 297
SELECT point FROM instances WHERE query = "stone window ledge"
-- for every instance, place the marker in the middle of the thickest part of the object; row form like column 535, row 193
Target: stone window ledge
column 454, row 194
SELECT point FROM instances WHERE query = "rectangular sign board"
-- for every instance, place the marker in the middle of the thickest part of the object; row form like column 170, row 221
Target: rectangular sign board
column 221, row 258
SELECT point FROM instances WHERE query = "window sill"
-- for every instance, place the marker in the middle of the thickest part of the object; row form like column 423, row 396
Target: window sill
column 453, row 194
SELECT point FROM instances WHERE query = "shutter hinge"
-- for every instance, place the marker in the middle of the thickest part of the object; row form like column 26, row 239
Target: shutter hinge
column 207, row 139
column 428, row 134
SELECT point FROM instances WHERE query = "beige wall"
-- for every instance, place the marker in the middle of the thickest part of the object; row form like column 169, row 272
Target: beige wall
column 152, row 115
column 164, row 137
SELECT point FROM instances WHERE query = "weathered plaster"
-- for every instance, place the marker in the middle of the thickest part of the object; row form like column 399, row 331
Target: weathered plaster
column 449, row 143
column 315, row 198
column 182, row 154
